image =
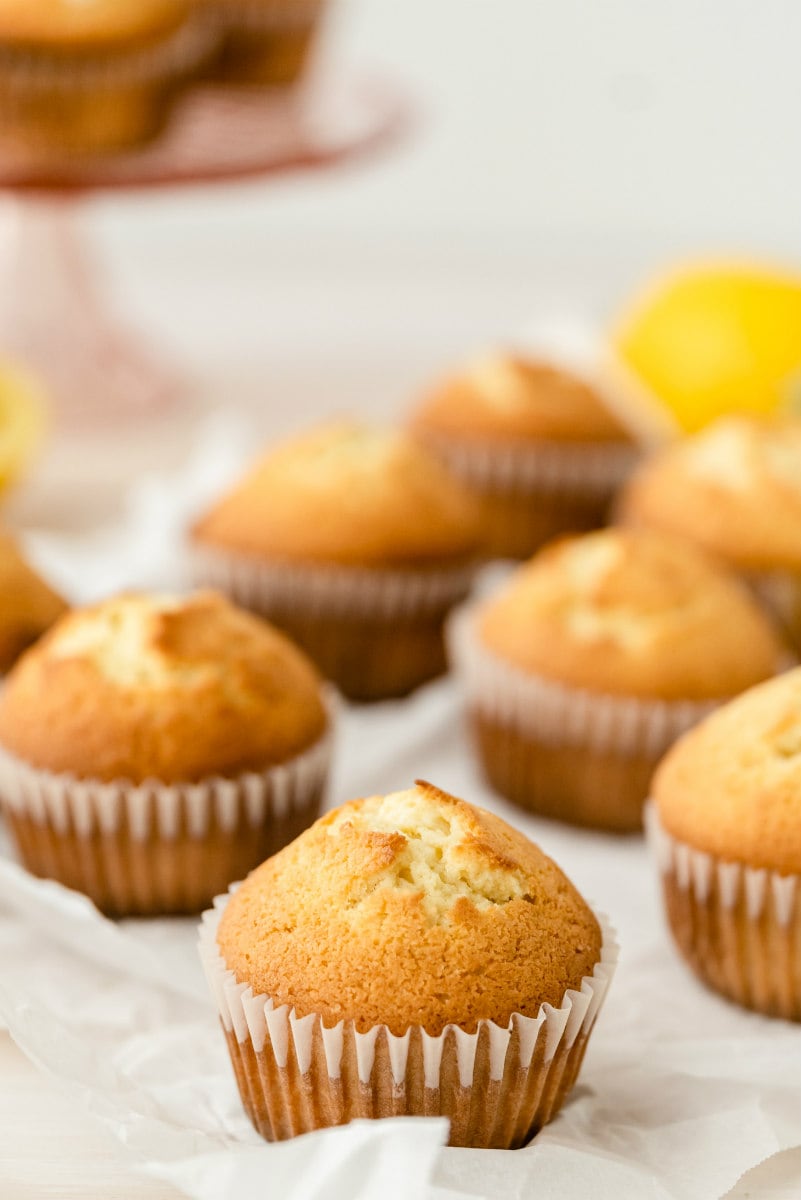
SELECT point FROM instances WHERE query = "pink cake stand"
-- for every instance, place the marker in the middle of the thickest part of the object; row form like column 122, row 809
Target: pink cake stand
column 52, row 314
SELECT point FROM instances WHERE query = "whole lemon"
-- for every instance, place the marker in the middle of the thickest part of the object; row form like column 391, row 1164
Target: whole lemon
column 710, row 339
column 22, row 419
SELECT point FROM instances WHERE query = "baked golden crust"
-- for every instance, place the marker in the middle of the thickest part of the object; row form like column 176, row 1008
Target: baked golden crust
column 734, row 488
column 509, row 398
column 173, row 689
column 90, row 26
column 349, row 495
column 732, row 786
column 28, row 606
column 410, row 909
column 632, row 613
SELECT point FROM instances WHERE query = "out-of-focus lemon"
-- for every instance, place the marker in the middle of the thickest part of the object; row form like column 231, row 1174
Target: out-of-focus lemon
column 22, row 419
column 713, row 339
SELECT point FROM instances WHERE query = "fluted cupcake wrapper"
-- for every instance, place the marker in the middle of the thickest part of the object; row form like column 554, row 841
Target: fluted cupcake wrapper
column 498, row 1085
column 262, row 16
column 318, row 590
column 565, row 715
column 739, row 927
column 780, row 592
column 375, row 633
column 157, row 847
column 565, row 752
column 588, row 468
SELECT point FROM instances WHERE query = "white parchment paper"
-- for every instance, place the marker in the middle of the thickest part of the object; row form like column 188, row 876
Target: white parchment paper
column 680, row 1093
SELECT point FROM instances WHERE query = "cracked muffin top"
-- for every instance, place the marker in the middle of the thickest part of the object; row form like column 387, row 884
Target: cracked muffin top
column 347, row 494
column 28, row 606
column 410, row 909
column 506, row 397
column 734, row 489
column 173, row 688
column 732, row 786
column 632, row 613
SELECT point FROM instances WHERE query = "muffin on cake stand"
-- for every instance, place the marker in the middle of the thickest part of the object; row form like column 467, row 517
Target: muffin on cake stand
column 52, row 314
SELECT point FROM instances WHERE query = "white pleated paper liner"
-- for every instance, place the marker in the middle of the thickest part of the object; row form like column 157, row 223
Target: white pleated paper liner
column 547, row 1039
column 731, row 883
column 262, row 16
column 278, row 586
column 64, row 802
column 780, row 592
column 548, row 711
column 738, row 926
column 591, row 469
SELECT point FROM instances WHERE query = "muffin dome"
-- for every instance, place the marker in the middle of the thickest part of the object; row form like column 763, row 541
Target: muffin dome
column 171, row 688
column 734, row 488
column 91, row 25
column 349, row 495
column 27, row 605
column 732, row 786
column 507, row 397
column 631, row 613
column 411, row 908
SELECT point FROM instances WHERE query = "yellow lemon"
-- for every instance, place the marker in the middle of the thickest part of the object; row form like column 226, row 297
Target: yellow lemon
column 22, row 419
column 713, row 339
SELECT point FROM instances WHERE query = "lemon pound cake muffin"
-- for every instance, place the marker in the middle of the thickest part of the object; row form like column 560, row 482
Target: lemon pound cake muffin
column 152, row 749
column 407, row 955
column 735, row 490
column 726, row 822
column 594, row 658
column 540, row 447
column 263, row 41
column 357, row 543
column 28, row 606
column 89, row 76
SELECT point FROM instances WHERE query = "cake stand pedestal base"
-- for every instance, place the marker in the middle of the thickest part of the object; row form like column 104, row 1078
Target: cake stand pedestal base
column 53, row 318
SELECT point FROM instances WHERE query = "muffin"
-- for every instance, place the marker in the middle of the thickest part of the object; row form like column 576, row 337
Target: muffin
column 153, row 748
column 262, row 41
column 28, row 606
column 354, row 541
column 593, row 659
column 540, row 447
column 407, row 955
column 735, row 490
column 726, row 822
column 95, row 76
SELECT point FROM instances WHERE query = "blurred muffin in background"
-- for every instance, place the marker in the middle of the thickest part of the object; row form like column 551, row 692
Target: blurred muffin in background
column 93, row 76
column 356, row 542
column 28, row 606
column 726, row 825
column 262, row 42
column 539, row 447
column 153, row 749
column 733, row 489
column 593, row 659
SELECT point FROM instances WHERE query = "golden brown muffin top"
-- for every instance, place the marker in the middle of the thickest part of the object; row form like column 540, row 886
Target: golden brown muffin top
column 410, row 909
column 347, row 494
column 631, row 613
column 506, row 397
column 87, row 26
column 27, row 605
column 734, row 488
column 732, row 786
column 161, row 687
